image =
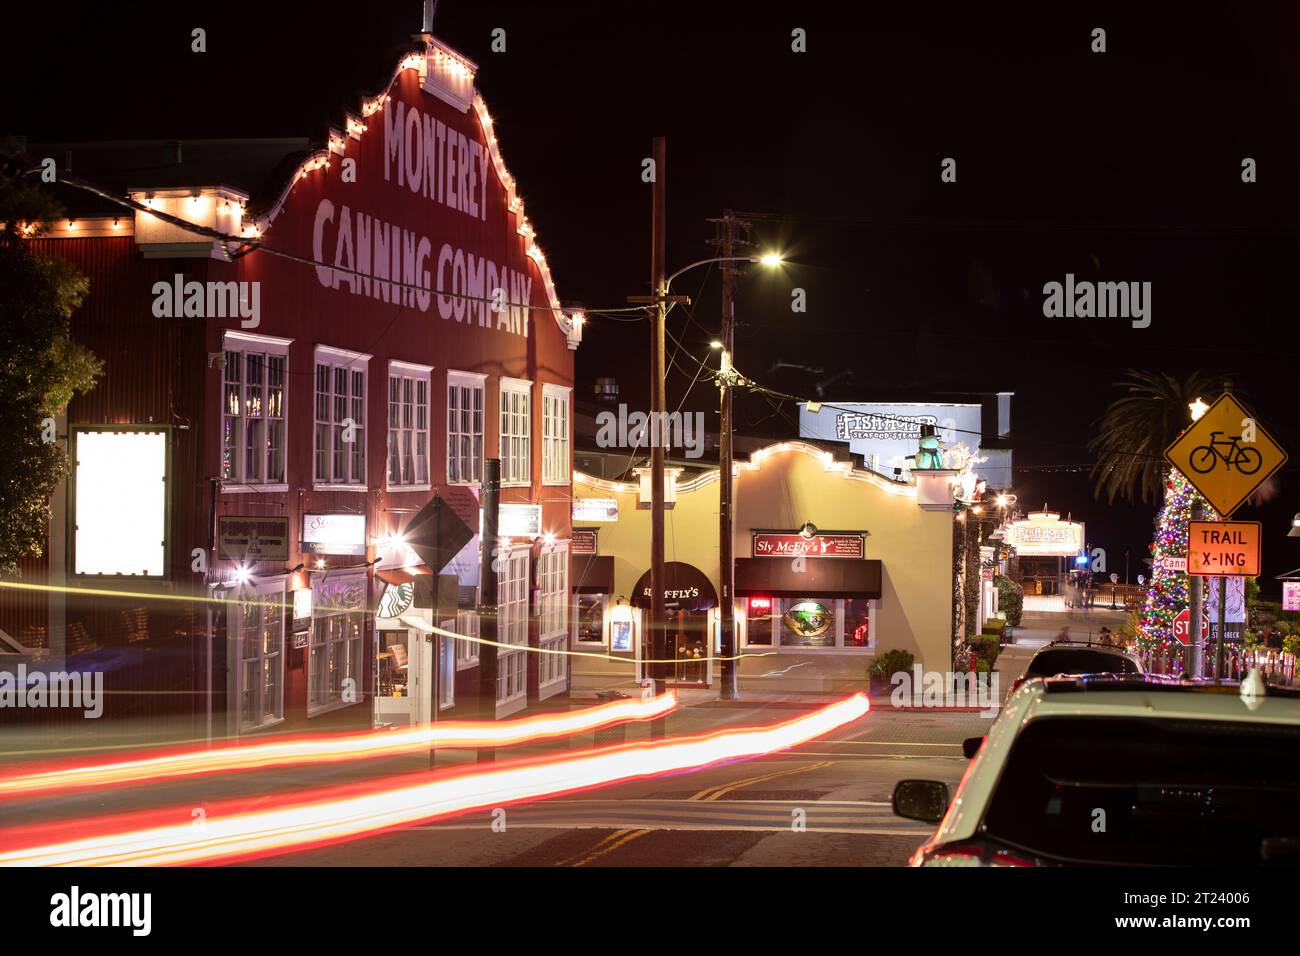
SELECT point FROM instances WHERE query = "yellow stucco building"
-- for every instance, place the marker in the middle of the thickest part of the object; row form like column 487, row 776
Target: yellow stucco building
column 834, row 564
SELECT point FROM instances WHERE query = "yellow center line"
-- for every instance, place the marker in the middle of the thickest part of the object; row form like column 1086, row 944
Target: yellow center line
column 622, row 837
column 630, row 836
column 715, row 793
column 569, row 861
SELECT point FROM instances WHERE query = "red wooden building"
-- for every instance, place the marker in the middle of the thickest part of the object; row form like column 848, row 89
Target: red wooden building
column 346, row 331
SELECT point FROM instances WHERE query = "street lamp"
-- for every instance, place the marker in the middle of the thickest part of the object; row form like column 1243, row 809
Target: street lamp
column 768, row 259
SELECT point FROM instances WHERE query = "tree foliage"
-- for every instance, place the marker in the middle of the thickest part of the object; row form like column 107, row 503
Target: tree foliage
column 1134, row 431
column 41, row 368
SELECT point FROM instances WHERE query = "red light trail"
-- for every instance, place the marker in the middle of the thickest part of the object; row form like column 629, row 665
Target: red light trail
column 165, row 765
column 337, row 814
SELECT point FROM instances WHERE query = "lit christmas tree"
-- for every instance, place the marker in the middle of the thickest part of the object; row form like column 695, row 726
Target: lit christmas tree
column 1167, row 595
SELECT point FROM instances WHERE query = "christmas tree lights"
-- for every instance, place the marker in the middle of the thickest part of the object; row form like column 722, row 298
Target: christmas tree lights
column 1168, row 593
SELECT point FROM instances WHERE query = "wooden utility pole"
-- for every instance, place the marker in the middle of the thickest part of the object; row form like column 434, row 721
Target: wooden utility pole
column 489, row 561
column 726, row 242
column 658, row 405
column 658, row 427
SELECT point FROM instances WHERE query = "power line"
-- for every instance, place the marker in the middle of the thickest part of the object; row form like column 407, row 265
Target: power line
column 246, row 246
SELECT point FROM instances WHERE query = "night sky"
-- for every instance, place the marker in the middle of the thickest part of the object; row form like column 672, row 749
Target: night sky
column 1122, row 166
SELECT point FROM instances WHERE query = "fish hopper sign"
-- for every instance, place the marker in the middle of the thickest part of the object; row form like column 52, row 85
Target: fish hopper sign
column 685, row 589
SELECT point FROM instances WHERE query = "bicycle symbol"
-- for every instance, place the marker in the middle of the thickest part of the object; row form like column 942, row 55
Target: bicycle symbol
column 1245, row 459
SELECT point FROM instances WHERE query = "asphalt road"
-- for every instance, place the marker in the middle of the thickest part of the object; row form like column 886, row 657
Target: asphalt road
column 825, row 803
column 822, row 804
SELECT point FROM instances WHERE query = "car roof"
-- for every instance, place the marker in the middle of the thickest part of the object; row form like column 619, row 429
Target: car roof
column 1080, row 646
column 1104, row 696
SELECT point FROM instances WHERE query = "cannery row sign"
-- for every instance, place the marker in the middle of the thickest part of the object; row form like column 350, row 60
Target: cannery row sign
column 823, row 544
column 252, row 538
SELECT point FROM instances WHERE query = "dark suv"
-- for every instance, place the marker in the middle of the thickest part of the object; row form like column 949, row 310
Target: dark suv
column 1064, row 657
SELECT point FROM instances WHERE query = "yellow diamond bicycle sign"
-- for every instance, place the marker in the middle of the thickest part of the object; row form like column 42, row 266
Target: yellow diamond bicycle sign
column 1226, row 455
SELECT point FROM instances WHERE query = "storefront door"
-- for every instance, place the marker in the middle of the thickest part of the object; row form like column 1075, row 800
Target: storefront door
column 404, row 669
column 688, row 642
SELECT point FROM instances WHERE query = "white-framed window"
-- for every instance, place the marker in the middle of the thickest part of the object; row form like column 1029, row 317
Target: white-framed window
column 792, row 623
column 466, row 394
column 408, row 425
column 552, row 613
column 512, row 626
column 466, row 651
column 555, row 435
column 589, row 619
column 253, row 435
column 259, row 640
column 447, row 648
column 516, row 432
column 339, row 441
column 334, row 660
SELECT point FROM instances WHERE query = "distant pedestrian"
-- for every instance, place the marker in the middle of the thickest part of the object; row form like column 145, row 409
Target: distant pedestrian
column 1064, row 636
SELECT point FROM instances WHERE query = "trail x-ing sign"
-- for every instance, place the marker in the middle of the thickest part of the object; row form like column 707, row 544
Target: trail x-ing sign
column 1227, row 548
column 1226, row 455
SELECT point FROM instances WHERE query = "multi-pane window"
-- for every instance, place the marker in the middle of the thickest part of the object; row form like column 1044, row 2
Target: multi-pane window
column 464, row 428
column 408, row 426
column 553, row 614
column 252, row 416
column 516, row 432
column 335, row 663
column 466, row 651
column 261, row 660
column 555, row 434
column 512, row 626
column 340, row 436
column 842, row 623
column 589, row 619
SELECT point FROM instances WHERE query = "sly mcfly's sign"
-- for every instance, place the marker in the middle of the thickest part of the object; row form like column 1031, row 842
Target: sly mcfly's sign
column 823, row 544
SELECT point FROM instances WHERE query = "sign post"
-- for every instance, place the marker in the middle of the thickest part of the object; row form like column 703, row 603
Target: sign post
column 1226, row 454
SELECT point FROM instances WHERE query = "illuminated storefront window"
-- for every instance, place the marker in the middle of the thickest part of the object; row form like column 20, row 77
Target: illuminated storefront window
column 808, row 623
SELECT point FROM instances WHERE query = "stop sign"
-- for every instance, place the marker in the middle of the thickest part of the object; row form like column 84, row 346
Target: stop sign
column 1183, row 627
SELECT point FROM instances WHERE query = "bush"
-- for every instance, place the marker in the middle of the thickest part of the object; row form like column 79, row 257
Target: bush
column 1011, row 599
column 890, row 663
column 1291, row 644
column 987, row 646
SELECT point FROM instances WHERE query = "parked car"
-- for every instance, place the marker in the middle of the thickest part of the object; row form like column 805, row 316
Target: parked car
column 1067, row 657
column 1122, row 771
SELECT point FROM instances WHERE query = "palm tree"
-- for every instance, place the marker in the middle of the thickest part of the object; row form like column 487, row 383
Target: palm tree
column 1135, row 430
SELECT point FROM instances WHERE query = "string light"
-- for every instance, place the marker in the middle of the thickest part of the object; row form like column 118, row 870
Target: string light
column 1168, row 592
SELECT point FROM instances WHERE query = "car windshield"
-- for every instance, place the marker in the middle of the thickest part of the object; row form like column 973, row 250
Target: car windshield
column 1079, row 661
column 1177, row 792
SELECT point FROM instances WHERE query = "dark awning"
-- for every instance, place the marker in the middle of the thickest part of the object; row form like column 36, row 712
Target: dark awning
column 592, row 574
column 402, row 575
column 820, row 578
column 685, row 589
